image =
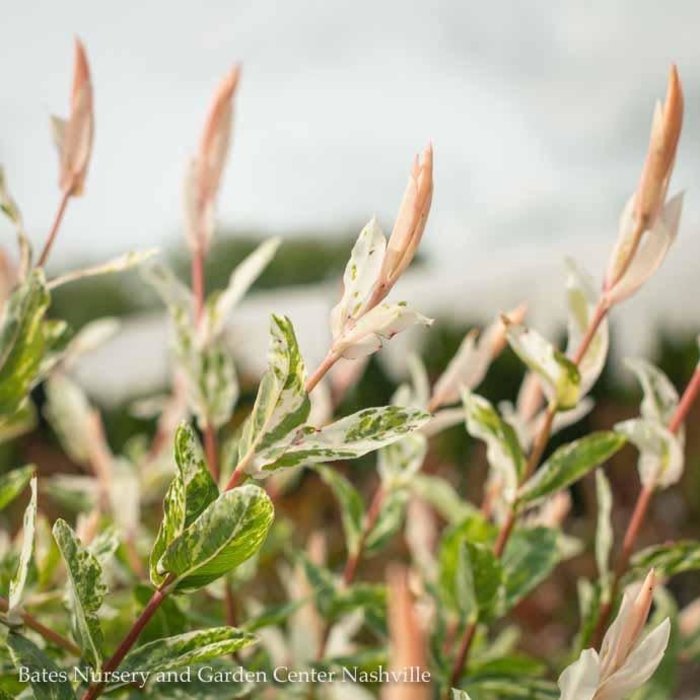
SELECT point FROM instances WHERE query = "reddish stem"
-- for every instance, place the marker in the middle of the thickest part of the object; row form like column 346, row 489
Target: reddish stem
column 58, row 218
column 320, row 372
column 211, row 450
column 462, row 654
column 371, row 520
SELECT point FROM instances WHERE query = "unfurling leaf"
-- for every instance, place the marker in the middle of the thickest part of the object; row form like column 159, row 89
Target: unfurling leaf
column 190, row 492
column 14, row 482
column 19, row 580
column 561, row 380
column 86, row 590
column 504, row 453
column 229, row 530
column 660, row 451
column 186, row 649
column 571, row 462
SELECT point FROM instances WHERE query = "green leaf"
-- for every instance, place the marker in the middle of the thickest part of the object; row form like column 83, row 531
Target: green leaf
column 22, row 421
column 14, row 482
column 460, row 694
column 352, row 509
column 503, row 449
column 230, row 530
column 185, row 649
column 347, row 438
column 190, row 492
column 26, row 655
column 561, row 380
column 282, row 403
column 86, row 590
column 668, row 559
column 570, row 463
column 529, row 557
column 442, row 496
column 25, row 556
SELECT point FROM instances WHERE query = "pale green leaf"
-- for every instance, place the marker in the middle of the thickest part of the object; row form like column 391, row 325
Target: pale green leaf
column 186, row 649
column 389, row 520
column 22, row 421
column 570, row 463
column 399, row 462
column 604, row 531
column 460, row 694
column 230, row 530
column 668, row 559
column 442, row 496
column 14, row 482
column 561, row 380
column 25, row 654
column 86, row 591
column 352, row 509
column 19, row 580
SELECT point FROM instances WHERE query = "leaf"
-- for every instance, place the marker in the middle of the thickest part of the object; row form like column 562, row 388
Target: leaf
column 359, row 278
column 604, row 531
column 579, row 681
column 86, row 590
column 190, row 492
column 185, row 649
column 400, row 461
column 25, row 556
column 347, row 438
column 660, row 396
column 561, row 380
column 22, row 421
column 374, row 328
column 668, row 559
column 528, row 559
column 118, row 264
column 167, row 621
column 570, row 463
column 69, row 413
column 582, row 300
column 442, row 496
column 503, row 450
column 660, row 451
column 240, row 281
column 388, row 521
column 352, row 509
column 282, row 403
column 14, row 482
column 26, row 655
column 230, row 530
column 460, row 694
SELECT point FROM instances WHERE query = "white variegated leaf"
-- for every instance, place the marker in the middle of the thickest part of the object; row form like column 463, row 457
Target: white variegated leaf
column 69, row 413
column 582, row 300
column 118, row 264
column 360, row 275
column 442, row 420
column 604, row 531
column 90, row 337
column 26, row 553
column 660, row 396
column 399, row 462
column 464, row 371
column 660, row 451
column 579, row 681
column 561, row 379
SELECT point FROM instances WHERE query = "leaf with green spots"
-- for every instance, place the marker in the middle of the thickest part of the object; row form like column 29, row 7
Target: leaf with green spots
column 352, row 509
column 26, row 655
column 282, row 403
column 186, row 649
column 570, row 463
column 667, row 559
column 86, row 591
column 190, row 492
column 230, row 530
column 14, row 482
column 19, row 580
column 348, row 438
column 561, row 380
column 529, row 557
column 503, row 449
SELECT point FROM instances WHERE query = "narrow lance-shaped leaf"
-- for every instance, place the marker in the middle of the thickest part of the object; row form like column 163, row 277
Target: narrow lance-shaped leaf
column 230, row 530
column 352, row 509
column 86, row 590
column 561, row 380
column 570, row 463
column 119, row 264
column 604, row 532
column 190, row 492
column 186, row 649
column 14, row 482
column 19, row 580
column 668, row 559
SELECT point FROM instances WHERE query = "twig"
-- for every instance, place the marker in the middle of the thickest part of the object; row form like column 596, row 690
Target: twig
column 58, row 218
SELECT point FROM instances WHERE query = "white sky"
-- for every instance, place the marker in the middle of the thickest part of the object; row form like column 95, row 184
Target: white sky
column 539, row 113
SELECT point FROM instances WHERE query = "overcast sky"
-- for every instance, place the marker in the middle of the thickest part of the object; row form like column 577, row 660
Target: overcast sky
column 539, row 113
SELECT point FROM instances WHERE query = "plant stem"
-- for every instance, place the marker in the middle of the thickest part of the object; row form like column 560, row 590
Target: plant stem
column 320, row 372
column 641, row 508
column 143, row 619
column 462, row 655
column 371, row 520
column 58, row 218
column 48, row 634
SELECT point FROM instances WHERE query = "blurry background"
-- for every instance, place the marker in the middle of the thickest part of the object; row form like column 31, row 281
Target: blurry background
column 539, row 113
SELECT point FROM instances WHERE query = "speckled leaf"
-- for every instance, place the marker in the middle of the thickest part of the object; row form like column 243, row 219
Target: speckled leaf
column 582, row 297
column 360, row 275
column 282, row 403
column 561, row 379
column 504, row 453
column 26, row 654
column 86, row 590
column 186, row 649
column 352, row 509
column 14, row 482
column 347, row 438
column 190, row 492
column 25, row 556
column 570, row 463
column 229, row 531
column 660, row 451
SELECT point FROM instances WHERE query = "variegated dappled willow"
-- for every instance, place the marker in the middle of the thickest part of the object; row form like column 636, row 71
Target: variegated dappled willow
column 438, row 611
